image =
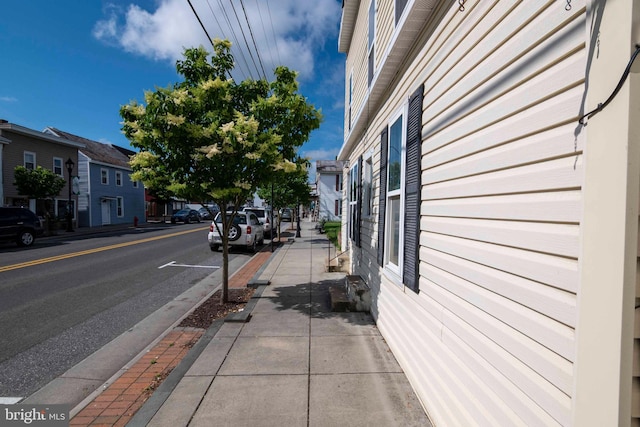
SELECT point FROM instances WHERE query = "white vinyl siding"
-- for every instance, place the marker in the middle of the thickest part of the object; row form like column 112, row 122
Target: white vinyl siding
column 489, row 339
column 504, row 287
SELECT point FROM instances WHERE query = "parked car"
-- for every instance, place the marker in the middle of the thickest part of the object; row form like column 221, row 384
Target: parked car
column 20, row 225
column 246, row 231
column 186, row 216
column 204, row 213
column 264, row 216
column 286, row 214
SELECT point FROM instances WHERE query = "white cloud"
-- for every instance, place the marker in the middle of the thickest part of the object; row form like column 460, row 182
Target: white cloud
column 320, row 154
column 315, row 155
column 8, row 99
column 287, row 32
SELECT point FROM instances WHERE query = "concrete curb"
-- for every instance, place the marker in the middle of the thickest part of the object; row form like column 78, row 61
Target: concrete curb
column 157, row 399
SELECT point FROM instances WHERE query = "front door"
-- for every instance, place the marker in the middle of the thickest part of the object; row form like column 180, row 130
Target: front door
column 106, row 212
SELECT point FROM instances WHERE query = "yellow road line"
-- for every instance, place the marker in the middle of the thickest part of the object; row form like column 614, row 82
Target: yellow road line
column 90, row 251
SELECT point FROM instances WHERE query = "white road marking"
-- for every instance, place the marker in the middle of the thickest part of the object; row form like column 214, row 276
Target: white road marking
column 9, row 400
column 173, row 264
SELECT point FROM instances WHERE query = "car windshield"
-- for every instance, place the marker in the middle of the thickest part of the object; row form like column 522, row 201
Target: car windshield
column 238, row 219
column 182, row 212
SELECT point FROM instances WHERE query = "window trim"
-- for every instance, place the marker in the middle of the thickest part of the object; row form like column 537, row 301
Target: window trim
column 371, row 42
column 396, row 269
column 24, row 159
column 367, row 185
column 355, row 196
column 120, row 206
column 119, row 178
column 104, row 176
column 59, row 159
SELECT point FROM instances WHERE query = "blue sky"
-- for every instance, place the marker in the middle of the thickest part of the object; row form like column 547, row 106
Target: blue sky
column 71, row 64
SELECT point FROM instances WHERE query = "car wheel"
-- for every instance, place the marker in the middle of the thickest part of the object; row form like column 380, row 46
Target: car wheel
column 254, row 247
column 187, row 220
column 235, row 232
column 214, row 248
column 173, row 220
column 25, row 238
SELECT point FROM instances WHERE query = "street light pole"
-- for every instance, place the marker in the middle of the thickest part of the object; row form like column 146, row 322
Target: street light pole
column 70, row 164
column 298, row 215
column 273, row 224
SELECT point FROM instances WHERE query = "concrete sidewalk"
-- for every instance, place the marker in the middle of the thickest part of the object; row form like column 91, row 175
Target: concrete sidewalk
column 293, row 363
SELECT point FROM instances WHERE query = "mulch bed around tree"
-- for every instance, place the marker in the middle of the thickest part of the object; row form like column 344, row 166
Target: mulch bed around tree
column 212, row 308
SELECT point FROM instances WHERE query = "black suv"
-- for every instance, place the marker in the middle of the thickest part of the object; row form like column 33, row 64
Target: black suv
column 20, row 225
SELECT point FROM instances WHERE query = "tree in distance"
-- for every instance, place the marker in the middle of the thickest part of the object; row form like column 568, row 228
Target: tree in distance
column 209, row 138
column 39, row 184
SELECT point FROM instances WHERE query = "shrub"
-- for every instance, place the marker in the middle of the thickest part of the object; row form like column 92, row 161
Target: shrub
column 333, row 228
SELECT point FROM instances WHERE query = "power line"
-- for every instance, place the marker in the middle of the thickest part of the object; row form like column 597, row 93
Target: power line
column 226, row 17
column 235, row 41
column 253, row 38
column 275, row 40
column 245, row 39
column 264, row 31
column 201, row 24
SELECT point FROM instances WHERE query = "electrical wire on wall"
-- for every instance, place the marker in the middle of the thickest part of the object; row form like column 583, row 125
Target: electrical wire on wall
column 602, row 105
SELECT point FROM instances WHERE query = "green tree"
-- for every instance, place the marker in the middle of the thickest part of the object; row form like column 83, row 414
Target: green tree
column 39, row 184
column 289, row 189
column 209, row 138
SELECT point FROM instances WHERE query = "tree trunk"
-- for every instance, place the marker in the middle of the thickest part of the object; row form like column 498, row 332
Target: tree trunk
column 225, row 265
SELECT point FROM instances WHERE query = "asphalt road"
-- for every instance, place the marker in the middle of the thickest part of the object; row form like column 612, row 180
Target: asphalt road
column 63, row 299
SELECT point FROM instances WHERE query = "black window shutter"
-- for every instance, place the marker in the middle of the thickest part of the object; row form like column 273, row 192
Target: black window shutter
column 358, row 204
column 382, row 205
column 412, row 192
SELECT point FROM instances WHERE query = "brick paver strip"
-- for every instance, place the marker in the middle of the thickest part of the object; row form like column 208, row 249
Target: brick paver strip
column 116, row 405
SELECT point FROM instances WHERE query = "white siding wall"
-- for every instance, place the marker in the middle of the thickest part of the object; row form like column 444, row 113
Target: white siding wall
column 489, row 339
column 327, row 195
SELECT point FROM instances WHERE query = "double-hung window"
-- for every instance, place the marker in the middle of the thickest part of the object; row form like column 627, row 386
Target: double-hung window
column 367, row 186
column 29, row 160
column 399, row 212
column 57, row 166
column 119, row 178
column 395, row 173
column 104, row 176
column 354, row 203
column 120, row 206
